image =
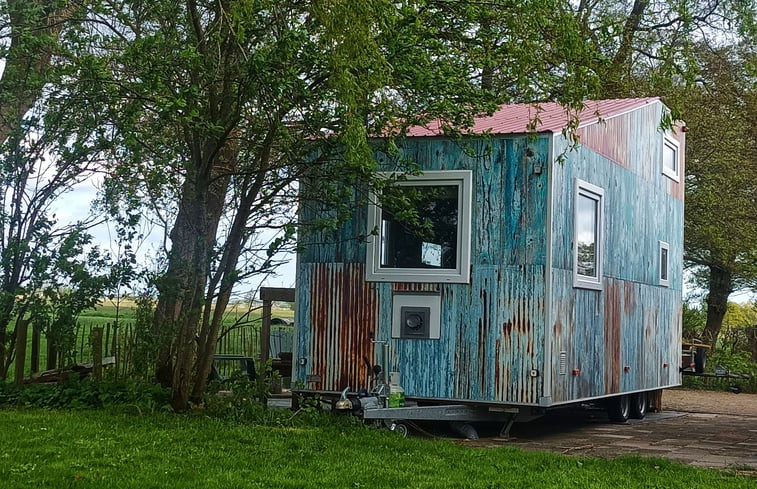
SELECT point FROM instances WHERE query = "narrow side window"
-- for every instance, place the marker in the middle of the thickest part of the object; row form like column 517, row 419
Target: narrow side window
column 587, row 235
column 664, row 263
column 671, row 165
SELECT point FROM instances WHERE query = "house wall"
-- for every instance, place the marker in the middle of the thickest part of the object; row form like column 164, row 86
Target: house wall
column 492, row 330
column 632, row 321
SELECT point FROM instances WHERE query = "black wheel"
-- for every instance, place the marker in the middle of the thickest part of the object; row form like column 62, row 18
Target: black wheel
column 401, row 429
column 639, row 404
column 700, row 360
column 619, row 408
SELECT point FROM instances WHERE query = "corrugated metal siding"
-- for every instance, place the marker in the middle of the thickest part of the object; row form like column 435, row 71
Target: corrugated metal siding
column 626, row 324
column 492, row 334
column 634, row 141
column 610, row 139
column 337, row 321
column 492, row 331
column 632, row 322
column 343, row 245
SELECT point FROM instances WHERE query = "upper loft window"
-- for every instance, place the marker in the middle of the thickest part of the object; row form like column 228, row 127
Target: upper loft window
column 435, row 247
column 587, row 236
column 671, row 163
column 664, row 263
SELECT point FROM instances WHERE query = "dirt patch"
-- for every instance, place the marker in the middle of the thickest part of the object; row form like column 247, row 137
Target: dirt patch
column 718, row 402
column 699, row 428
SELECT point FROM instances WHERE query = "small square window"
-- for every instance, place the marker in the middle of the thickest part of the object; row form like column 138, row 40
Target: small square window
column 436, row 249
column 664, row 263
column 587, row 236
column 671, row 165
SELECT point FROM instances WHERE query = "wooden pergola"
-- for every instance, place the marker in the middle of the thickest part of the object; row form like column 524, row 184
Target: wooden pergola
column 269, row 295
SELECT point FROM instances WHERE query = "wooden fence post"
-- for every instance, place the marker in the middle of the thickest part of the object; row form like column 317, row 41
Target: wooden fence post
column 106, row 347
column 52, row 355
column 96, row 338
column 36, row 338
column 21, row 329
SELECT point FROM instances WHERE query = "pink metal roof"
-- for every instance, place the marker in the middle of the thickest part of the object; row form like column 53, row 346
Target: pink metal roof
column 552, row 117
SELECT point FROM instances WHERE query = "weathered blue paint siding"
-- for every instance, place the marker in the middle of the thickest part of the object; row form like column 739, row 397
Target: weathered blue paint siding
column 520, row 310
column 492, row 330
column 625, row 337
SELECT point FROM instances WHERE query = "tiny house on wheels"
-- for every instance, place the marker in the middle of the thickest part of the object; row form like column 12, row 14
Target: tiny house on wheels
column 552, row 273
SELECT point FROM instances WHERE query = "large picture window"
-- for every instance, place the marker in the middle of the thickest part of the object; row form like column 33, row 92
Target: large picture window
column 431, row 243
column 587, row 236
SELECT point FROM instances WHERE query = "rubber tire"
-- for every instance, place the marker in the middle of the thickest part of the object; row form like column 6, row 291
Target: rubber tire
column 700, row 360
column 619, row 408
column 401, row 429
column 639, row 405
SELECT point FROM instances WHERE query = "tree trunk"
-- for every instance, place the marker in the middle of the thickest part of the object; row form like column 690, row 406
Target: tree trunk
column 35, row 27
column 182, row 288
column 752, row 335
column 225, row 275
column 613, row 86
column 720, row 287
column 22, row 328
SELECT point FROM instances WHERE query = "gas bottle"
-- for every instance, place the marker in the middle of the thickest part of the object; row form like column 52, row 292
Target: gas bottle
column 396, row 392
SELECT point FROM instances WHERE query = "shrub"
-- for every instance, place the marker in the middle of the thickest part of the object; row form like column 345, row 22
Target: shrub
column 86, row 394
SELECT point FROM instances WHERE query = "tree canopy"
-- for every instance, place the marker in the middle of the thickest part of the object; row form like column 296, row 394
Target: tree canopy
column 205, row 116
column 721, row 183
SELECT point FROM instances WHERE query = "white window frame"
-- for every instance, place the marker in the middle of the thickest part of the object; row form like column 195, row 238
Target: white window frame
column 672, row 173
column 374, row 272
column 663, row 246
column 586, row 189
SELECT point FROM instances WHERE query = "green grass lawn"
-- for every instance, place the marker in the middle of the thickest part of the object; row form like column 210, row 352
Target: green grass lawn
column 101, row 449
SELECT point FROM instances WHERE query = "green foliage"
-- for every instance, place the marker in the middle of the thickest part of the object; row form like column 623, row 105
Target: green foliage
column 145, row 346
column 738, row 363
column 739, row 328
column 71, row 285
column 736, row 349
column 694, row 319
column 76, row 393
column 46, row 148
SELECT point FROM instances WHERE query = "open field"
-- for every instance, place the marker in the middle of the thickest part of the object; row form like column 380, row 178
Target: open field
column 56, row 449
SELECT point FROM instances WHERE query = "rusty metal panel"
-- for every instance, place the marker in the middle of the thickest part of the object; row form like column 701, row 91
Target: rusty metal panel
column 519, row 339
column 633, row 140
column 627, row 324
column 620, row 338
column 493, row 329
column 414, row 287
column 336, row 324
column 609, row 139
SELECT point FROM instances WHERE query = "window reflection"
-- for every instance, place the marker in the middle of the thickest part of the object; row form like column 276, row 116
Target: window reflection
column 586, row 234
column 430, row 241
